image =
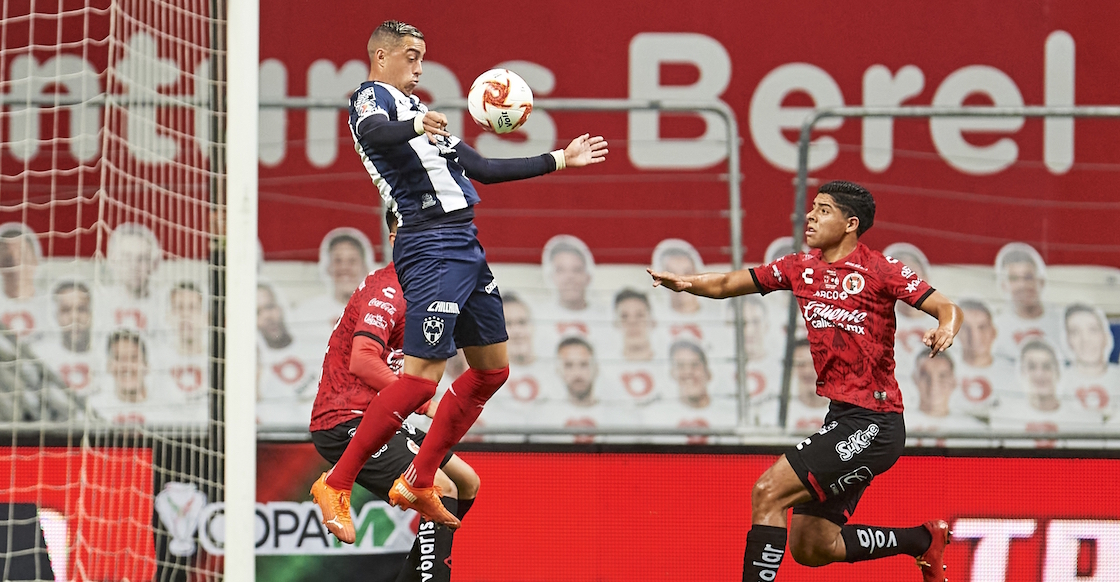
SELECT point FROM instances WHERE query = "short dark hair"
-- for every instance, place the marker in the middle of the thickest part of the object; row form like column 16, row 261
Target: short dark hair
column 629, row 293
column 975, row 305
column 347, row 238
column 70, row 285
column 689, row 345
column 854, row 200
column 390, row 32
column 575, row 340
column 391, row 219
column 923, row 356
column 127, row 335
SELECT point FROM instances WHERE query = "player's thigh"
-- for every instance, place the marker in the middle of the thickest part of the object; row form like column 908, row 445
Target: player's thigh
column 778, row 487
column 487, row 357
column 482, row 321
column 438, row 290
column 464, row 476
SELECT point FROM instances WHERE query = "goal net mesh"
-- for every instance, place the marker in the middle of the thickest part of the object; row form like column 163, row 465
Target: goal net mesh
column 112, row 288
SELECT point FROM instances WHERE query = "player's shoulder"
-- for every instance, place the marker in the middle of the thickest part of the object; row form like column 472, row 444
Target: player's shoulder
column 382, row 283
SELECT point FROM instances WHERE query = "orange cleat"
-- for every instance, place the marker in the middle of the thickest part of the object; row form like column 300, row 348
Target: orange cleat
column 932, row 562
column 424, row 500
column 335, row 506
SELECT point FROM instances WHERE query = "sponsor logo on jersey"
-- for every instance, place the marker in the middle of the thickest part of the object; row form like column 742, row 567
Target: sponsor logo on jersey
column 433, row 329
column 443, row 307
column 389, row 292
column 491, row 287
column 814, row 311
column 855, row 265
column 860, row 440
column 777, row 273
column 383, row 305
column 912, row 286
column 376, row 320
column 853, row 283
column 833, row 295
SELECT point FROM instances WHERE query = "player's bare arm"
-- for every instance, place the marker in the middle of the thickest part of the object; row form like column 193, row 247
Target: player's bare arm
column 949, row 320
column 713, row 285
column 585, row 150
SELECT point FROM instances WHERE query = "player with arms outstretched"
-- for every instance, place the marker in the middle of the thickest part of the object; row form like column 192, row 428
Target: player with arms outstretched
column 362, row 359
column 453, row 299
column 847, row 293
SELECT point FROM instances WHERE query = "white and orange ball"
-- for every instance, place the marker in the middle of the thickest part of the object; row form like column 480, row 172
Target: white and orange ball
column 500, row 101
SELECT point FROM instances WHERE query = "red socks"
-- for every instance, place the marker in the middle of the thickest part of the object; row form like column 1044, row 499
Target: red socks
column 381, row 420
column 457, row 412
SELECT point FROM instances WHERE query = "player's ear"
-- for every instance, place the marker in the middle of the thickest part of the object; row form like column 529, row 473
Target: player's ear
column 853, row 224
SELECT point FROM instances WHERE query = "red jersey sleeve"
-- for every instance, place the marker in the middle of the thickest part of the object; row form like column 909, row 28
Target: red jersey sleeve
column 903, row 284
column 776, row 275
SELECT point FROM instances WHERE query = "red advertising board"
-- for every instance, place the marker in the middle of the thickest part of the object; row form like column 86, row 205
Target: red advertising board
column 671, row 517
column 104, row 497
column 958, row 189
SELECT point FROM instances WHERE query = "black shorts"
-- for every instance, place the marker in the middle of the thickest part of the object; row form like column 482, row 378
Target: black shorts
column 838, row 462
column 384, row 466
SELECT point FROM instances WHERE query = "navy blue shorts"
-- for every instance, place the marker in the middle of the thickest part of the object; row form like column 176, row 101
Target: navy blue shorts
column 452, row 298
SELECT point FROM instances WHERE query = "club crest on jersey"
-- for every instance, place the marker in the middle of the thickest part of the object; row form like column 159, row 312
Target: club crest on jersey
column 433, row 329
column 853, row 283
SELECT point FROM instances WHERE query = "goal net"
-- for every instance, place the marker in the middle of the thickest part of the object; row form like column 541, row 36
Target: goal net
column 112, row 288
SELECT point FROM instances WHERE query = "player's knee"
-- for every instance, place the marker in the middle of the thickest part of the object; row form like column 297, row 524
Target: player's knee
column 468, row 484
column 446, row 485
column 806, row 554
column 764, row 494
column 814, row 552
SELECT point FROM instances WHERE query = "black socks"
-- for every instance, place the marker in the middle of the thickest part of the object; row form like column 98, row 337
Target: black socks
column 766, row 545
column 866, row 542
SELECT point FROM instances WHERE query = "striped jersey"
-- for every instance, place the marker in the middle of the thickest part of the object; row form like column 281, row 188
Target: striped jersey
column 424, row 179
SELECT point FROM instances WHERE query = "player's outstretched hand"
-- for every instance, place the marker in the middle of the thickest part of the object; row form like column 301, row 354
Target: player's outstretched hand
column 435, row 123
column 938, row 340
column 667, row 280
column 585, row 150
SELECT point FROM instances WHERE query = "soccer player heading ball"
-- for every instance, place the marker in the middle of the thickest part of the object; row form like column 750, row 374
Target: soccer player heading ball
column 451, row 295
column 847, row 294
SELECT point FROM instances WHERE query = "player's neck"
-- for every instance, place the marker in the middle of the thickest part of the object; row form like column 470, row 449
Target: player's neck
column 839, row 250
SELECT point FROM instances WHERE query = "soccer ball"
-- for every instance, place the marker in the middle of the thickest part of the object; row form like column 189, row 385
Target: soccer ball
column 500, row 101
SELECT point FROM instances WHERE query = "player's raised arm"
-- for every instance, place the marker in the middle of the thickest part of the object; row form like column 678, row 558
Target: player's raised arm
column 583, row 151
column 949, row 319
column 714, row 285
